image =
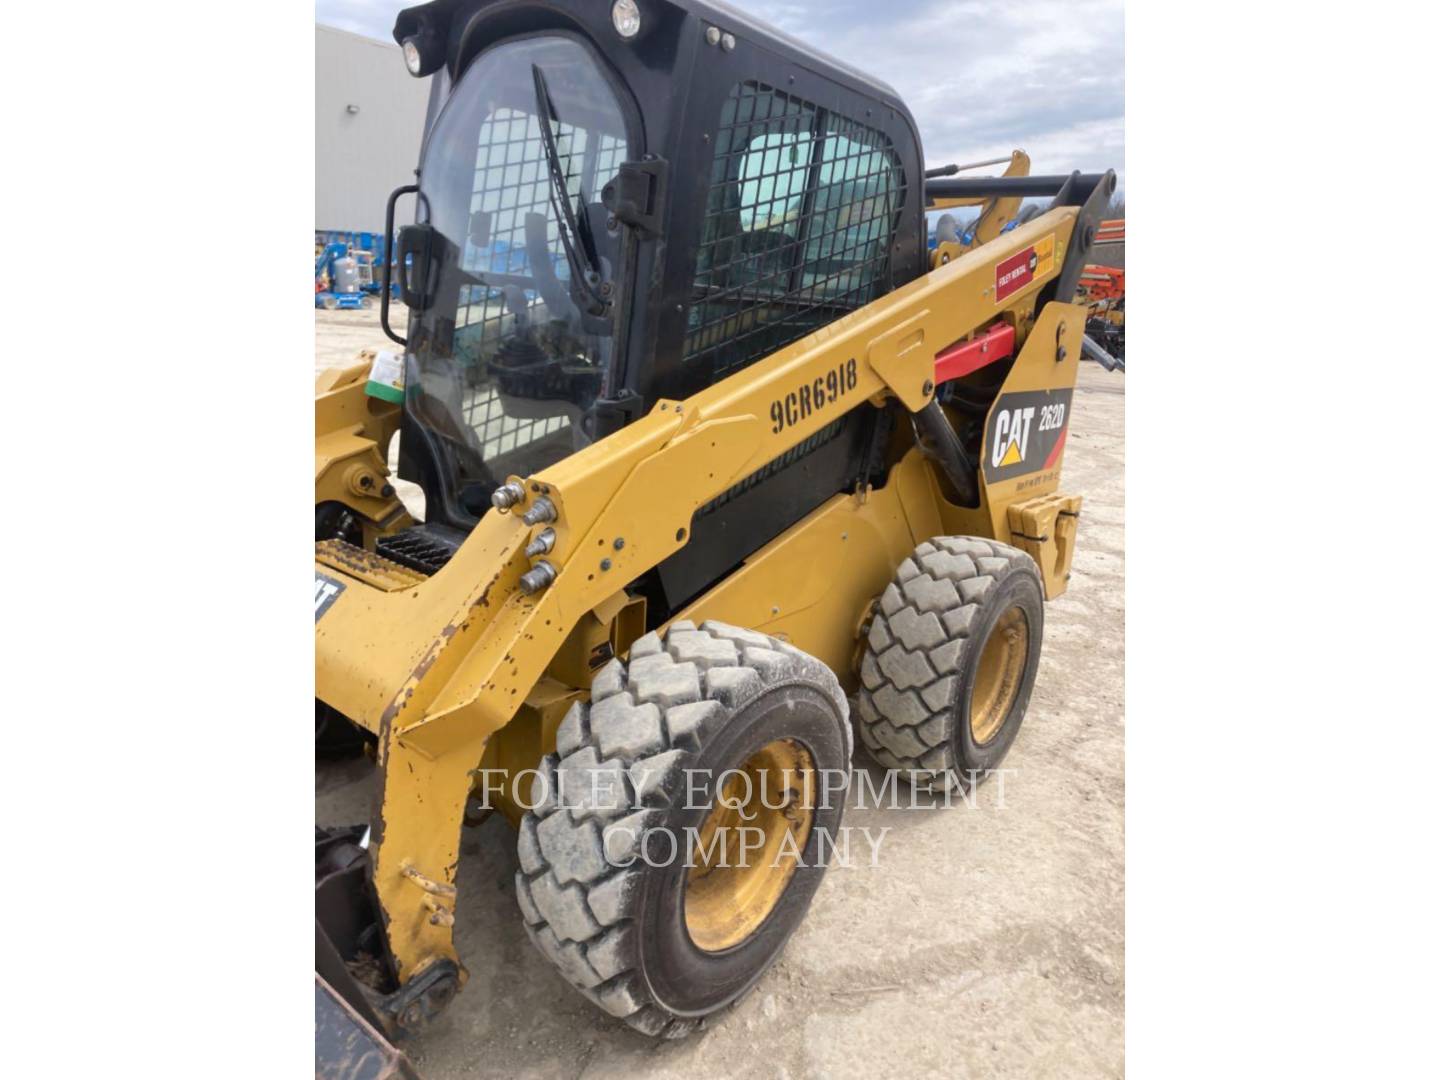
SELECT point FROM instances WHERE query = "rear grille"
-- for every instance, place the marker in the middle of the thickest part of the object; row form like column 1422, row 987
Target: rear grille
column 426, row 548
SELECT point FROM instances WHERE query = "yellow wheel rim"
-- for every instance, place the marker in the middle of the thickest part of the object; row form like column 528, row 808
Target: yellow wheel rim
column 998, row 674
column 736, row 878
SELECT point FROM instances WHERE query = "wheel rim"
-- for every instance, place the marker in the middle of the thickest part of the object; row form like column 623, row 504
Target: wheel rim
column 998, row 674
column 729, row 892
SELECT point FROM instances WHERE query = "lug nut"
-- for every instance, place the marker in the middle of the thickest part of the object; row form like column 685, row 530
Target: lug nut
column 537, row 577
column 506, row 496
column 542, row 544
column 541, row 511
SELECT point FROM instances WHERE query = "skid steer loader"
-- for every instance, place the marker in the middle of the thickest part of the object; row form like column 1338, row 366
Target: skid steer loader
column 720, row 465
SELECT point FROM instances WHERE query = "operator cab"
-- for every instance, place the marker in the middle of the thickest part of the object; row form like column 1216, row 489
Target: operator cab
column 622, row 202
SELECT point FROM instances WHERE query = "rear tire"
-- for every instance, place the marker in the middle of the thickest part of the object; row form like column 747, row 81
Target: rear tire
column 950, row 661
column 665, row 946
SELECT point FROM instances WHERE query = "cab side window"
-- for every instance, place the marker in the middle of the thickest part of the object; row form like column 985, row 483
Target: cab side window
column 801, row 210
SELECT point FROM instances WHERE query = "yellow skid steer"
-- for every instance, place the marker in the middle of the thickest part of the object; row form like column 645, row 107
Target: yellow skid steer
column 726, row 477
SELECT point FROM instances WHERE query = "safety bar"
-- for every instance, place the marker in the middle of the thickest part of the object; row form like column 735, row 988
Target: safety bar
column 1001, row 186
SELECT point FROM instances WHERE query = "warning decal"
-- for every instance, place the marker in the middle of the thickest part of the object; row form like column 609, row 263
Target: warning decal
column 1023, row 267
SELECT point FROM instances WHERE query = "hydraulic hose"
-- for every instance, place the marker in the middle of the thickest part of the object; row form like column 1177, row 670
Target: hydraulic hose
column 938, row 442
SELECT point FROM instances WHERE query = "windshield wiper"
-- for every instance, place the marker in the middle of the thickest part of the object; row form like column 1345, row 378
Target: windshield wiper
column 575, row 235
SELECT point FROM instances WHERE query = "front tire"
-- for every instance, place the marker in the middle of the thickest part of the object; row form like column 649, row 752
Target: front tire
column 950, row 661
column 607, row 892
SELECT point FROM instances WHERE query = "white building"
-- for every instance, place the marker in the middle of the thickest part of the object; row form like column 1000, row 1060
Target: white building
column 369, row 117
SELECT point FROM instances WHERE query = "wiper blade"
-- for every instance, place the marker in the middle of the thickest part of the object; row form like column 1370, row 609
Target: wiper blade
column 575, row 235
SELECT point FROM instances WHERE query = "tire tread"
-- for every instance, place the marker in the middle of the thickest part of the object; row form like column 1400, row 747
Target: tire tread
column 916, row 641
column 645, row 723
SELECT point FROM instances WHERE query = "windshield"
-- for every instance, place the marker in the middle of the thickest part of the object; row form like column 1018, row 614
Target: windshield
column 515, row 348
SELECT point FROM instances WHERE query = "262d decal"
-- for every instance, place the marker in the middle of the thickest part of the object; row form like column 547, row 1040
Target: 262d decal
column 1025, row 432
column 813, row 396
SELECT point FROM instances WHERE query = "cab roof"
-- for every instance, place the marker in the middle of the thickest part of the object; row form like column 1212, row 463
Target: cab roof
column 441, row 16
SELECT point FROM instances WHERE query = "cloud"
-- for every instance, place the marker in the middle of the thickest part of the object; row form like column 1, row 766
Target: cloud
column 373, row 18
column 982, row 77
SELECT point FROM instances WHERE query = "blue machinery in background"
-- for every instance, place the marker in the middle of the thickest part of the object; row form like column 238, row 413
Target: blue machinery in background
column 347, row 268
column 348, row 265
column 337, row 279
column 966, row 233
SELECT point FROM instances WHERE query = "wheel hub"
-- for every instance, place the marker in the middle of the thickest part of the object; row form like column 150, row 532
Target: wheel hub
column 738, row 876
column 998, row 674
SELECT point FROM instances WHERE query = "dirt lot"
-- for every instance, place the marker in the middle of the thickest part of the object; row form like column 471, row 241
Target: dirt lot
column 985, row 942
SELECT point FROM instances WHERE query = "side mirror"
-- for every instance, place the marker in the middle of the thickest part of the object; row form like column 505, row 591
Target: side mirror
column 480, row 228
column 417, row 262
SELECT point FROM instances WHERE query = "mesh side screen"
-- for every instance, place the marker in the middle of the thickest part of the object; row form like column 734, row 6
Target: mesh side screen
column 798, row 221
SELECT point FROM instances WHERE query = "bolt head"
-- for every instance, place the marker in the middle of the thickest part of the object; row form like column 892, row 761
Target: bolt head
column 542, row 510
column 537, row 577
column 506, row 496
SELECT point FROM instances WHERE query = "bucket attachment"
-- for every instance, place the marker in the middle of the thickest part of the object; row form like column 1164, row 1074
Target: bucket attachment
column 347, row 1047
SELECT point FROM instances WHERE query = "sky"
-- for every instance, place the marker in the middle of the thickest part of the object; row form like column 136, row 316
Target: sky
column 982, row 77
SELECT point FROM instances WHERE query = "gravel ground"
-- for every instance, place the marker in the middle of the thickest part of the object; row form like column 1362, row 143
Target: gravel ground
column 987, row 941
